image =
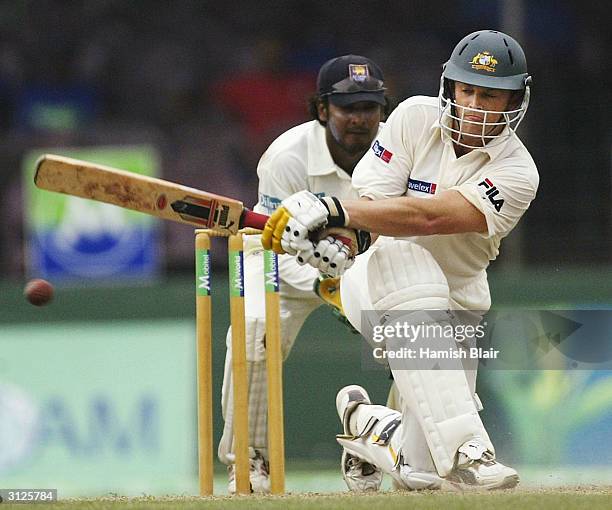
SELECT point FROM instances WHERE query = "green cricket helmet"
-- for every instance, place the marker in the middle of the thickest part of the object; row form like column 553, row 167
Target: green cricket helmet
column 491, row 59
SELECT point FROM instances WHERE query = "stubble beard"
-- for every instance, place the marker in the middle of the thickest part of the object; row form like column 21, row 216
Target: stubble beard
column 355, row 149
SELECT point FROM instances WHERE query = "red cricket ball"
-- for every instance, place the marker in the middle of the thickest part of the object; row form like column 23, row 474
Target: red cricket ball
column 38, row 292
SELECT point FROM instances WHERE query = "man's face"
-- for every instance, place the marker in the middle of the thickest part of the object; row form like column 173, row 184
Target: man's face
column 472, row 102
column 352, row 127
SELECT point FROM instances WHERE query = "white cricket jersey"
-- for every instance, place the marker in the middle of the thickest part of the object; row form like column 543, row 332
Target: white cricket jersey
column 299, row 159
column 410, row 158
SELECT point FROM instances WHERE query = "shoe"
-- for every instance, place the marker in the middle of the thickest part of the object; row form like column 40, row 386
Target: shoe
column 359, row 475
column 259, row 475
column 477, row 468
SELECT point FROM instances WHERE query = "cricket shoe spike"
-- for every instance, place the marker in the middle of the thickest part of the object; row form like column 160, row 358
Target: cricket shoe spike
column 259, row 475
column 477, row 468
column 359, row 475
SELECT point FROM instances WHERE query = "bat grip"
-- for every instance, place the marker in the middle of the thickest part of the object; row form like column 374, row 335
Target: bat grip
column 253, row 219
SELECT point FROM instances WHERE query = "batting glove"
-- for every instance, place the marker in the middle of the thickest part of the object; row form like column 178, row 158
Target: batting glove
column 331, row 256
column 287, row 230
column 335, row 250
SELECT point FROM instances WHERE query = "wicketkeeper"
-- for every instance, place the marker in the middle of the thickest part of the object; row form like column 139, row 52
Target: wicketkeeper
column 318, row 156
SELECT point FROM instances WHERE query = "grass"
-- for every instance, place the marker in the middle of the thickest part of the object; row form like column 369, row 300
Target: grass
column 588, row 498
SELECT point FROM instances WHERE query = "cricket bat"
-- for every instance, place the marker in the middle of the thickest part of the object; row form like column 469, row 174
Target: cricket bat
column 149, row 195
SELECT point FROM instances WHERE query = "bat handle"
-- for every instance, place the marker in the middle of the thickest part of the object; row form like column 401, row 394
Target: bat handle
column 253, row 219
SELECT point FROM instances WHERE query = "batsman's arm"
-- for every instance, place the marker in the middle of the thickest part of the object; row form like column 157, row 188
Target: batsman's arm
column 289, row 228
column 446, row 213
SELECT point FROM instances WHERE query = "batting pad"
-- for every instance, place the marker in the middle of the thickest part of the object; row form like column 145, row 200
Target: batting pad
column 372, row 437
column 379, row 442
column 404, row 276
column 258, row 409
column 444, row 406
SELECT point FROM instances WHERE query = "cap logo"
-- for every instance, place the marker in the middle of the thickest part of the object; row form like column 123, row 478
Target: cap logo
column 484, row 61
column 358, row 72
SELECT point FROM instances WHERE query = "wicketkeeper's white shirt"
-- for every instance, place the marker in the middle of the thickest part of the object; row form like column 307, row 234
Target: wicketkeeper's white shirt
column 299, row 159
column 410, row 158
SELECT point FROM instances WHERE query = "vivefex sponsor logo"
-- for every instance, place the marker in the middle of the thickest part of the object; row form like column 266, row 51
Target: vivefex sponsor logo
column 422, row 186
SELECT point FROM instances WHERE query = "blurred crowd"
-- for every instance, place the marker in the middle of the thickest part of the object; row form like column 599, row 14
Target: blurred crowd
column 211, row 84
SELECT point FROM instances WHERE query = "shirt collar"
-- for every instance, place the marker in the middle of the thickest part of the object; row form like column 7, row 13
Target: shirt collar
column 320, row 161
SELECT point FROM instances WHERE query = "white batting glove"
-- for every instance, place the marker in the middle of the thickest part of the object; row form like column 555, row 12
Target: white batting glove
column 307, row 214
column 287, row 229
column 329, row 255
column 295, row 237
column 306, row 208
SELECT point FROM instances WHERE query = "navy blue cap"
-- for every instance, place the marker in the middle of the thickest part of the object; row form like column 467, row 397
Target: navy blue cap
column 350, row 79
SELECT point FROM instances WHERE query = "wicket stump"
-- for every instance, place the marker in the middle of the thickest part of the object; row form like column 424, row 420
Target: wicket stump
column 276, row 441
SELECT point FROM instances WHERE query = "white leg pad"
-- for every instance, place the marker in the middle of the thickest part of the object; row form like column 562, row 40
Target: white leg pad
column 415, row 451
column 361, row 422
column 377, row 439
column 405, row 276
column 396, row 272
column 372, row 428
column 258, row 398
column 441, row 401
column 293, row 314
column 445, row 409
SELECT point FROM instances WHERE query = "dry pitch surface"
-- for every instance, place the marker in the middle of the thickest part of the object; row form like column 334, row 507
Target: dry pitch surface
column 587, row 498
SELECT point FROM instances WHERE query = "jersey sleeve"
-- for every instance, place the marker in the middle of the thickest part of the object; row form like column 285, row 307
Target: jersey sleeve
column 384, row 170
column 502, row 195
column 280, row 175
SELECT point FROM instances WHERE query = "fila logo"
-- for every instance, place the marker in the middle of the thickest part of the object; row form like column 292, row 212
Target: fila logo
column 492, row 192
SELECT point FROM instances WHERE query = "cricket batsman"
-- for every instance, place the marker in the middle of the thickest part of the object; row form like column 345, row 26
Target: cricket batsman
column 318, row 156
column 447, row 178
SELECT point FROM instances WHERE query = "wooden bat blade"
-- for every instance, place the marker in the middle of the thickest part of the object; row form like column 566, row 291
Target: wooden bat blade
column 149, row 195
